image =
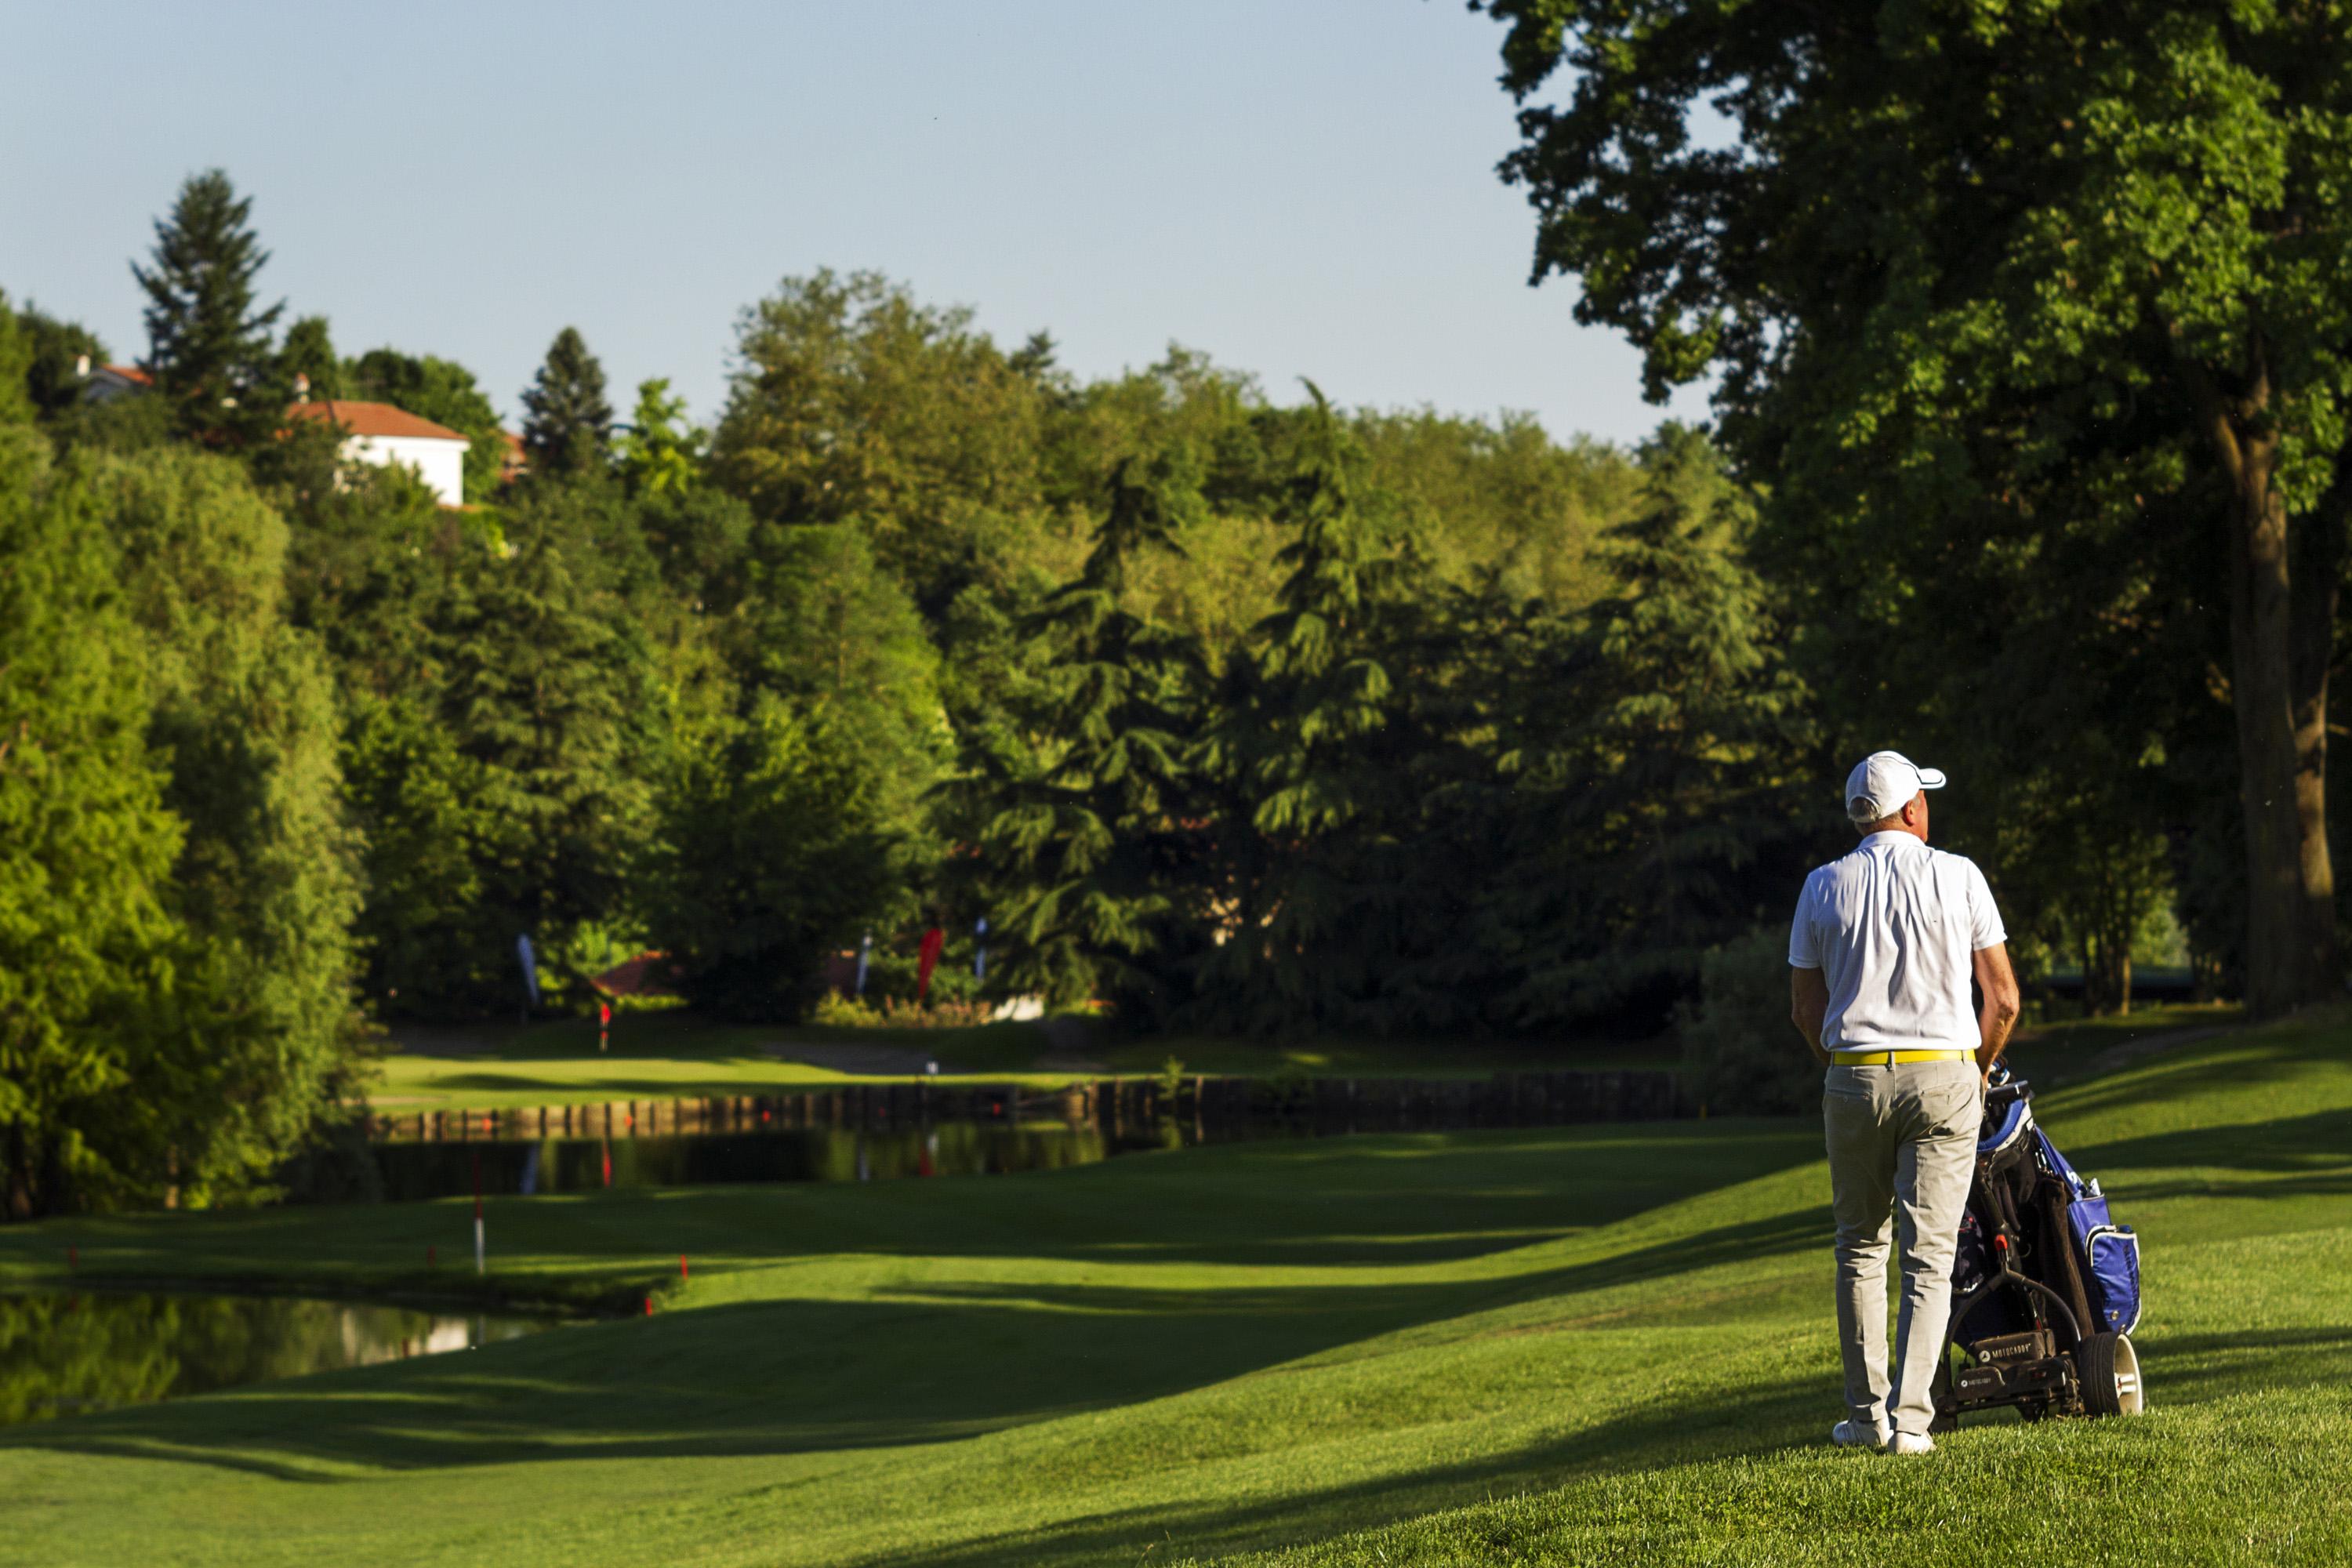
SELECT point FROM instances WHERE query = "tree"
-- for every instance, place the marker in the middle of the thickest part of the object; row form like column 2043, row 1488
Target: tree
column 1962, row 243
column 1656, row 745
column 86, row 847
column 266, row 880
column 1309, row 750
column 774, row 853
column 208, row 344
column 16, row 406
column 569, row 430
column 54, row 351
column 660, row 455
column 1085, row 844
column 853, row 403
column 306, row 360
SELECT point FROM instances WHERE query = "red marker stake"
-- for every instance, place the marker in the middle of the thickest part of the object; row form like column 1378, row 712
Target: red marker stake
column 649, row 1305
column 681, row 1265
column 73, row 1257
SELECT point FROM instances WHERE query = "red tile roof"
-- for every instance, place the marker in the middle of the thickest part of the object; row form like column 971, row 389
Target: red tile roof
column 130, row 372
column 372, row 419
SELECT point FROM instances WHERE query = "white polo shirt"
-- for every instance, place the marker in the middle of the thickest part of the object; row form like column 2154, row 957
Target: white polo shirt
column 1893, row 927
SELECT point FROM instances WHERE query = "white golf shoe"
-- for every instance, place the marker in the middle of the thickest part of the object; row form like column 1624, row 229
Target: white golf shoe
column 1911, row 1443
column 1850, row 1434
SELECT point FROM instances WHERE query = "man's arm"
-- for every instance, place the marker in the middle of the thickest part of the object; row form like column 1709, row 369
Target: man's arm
column 1998, row 1013
column 1808, row 1003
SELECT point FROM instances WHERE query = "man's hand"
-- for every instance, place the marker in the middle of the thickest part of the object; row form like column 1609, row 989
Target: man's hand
column 1808, row 1003
column 1997, row 1014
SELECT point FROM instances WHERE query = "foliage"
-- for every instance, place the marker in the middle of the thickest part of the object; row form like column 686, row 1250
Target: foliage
column 660, row 455
column 307, row 359
column 54, row 351
column 1083, row 845
column 1970, row 269
column 1741, row 1054
column 773, row 851
column 16, row 405
column 88, row 943
column 569, row 429
column 855, row 403
column 208, row 340
column 243, row 715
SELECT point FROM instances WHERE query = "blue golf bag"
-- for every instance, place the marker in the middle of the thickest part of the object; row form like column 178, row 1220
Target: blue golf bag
column 2045, row 1284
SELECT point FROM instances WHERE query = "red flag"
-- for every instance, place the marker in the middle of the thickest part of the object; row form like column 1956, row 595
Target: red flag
column 928, row 960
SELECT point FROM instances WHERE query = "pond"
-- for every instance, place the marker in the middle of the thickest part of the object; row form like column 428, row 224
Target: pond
column 530, row 1167
column 63, row 1354
column 876, row 1132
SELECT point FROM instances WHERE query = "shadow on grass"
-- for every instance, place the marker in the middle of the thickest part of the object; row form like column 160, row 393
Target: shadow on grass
column 911, row 1364
column 1767, row 1418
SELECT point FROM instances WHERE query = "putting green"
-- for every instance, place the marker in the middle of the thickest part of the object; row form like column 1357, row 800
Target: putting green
column 1597, row 1344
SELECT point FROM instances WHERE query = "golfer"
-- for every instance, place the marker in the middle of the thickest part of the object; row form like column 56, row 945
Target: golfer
column 1881, row 953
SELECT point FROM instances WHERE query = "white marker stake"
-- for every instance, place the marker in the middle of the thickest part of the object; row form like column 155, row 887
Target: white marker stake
column 477, row 1211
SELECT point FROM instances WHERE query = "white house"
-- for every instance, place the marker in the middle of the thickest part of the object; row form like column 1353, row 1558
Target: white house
column 381, row 433
column 105, row 383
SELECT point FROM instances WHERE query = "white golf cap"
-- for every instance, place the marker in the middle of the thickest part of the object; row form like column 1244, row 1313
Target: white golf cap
column 1882, row 784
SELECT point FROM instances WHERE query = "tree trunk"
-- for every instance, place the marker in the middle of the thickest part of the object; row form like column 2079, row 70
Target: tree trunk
column 2269, row 769
column 2281, row 771
column 2317, row 568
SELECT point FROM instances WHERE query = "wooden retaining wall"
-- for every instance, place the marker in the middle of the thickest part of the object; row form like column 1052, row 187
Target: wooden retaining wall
column 1367, row 1104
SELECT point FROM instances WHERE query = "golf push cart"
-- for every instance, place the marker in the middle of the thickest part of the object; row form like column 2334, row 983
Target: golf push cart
column 2045, row 1286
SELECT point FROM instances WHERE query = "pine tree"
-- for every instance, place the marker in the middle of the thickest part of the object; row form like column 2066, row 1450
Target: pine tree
column 1310, row 751
column 208, row 344
column 309, row 354
column 570, row 426
column 1653, row 750
column 1085, row 842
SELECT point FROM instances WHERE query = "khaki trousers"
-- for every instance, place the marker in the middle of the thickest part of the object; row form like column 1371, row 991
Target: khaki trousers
column 1902, row 1143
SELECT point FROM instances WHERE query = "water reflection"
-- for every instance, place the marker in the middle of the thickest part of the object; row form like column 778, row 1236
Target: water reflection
column 62, row 1354
column 817, row 1155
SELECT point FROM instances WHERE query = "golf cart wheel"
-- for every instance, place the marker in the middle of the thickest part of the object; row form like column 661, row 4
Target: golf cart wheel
column 2109, row 1368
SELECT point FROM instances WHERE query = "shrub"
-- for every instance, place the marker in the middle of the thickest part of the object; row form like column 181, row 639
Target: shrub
column 1740, row 1053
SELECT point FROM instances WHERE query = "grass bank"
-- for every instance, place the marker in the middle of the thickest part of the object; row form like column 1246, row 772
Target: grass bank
column 674, row 1053
column 1603, row 1344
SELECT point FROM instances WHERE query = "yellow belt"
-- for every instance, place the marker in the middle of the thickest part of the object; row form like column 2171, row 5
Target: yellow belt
column 1843, row 1058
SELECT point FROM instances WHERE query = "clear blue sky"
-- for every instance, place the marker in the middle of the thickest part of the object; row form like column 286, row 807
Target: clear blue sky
column 1297, row 188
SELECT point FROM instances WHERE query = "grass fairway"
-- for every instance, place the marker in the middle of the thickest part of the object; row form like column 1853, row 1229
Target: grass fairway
column 1598, row 1345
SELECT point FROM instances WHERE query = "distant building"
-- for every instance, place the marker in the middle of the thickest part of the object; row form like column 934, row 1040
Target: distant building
column 381, row 433
column 105, row 383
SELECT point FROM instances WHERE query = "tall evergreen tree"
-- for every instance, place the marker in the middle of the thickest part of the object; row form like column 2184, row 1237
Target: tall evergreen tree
column 1086, row 845
column 309, row 355
column 208, row 344
column 1307, row 748
column 1652, row 749
column 569, row 427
